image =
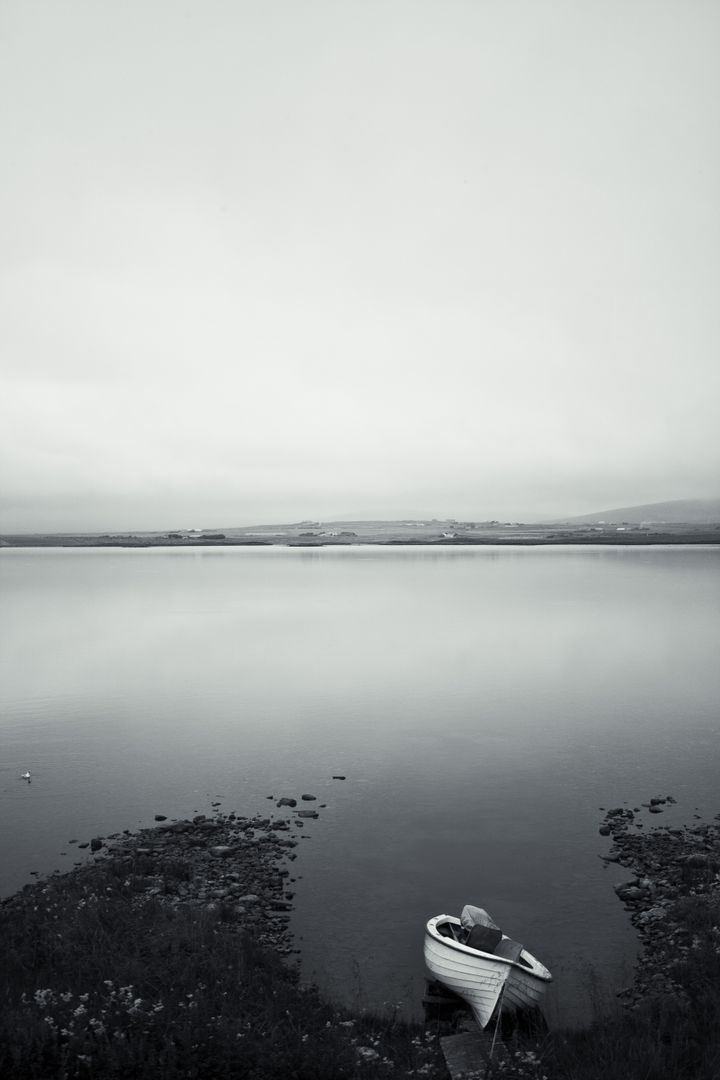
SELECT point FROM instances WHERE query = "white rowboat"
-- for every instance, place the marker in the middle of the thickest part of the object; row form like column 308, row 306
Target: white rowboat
column 509, row 973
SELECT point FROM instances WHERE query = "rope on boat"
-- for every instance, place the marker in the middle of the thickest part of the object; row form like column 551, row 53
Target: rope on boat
column 497, row 1024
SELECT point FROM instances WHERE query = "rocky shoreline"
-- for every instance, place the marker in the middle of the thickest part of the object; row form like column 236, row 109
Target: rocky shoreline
column 240, row 867
column 223, row 864
column 676, row 884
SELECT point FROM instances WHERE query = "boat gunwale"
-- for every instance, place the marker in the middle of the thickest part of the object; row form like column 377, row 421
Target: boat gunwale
column 542, row 975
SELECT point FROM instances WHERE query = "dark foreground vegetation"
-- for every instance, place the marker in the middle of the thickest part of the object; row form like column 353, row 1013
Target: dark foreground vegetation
column 132, row 967
column 95, row 988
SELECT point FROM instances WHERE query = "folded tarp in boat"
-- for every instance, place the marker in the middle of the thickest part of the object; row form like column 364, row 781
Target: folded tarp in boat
column 476, row 916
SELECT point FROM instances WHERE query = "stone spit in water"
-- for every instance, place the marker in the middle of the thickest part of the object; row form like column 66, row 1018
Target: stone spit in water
column 228, row 860
column 669, row 863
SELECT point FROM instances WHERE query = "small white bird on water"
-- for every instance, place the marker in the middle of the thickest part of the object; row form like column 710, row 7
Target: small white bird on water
column 25, row 776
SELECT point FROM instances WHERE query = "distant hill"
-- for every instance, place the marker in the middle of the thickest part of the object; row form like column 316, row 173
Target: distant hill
column 676, row 512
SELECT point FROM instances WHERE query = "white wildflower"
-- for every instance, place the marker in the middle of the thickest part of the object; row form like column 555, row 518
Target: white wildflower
column 367, row 1053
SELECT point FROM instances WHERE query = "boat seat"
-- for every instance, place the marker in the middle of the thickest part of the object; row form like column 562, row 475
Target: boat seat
column 509, row 949
column 484, row 938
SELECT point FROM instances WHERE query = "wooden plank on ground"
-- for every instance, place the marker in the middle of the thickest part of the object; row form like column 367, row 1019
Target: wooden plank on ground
column 467, row 1055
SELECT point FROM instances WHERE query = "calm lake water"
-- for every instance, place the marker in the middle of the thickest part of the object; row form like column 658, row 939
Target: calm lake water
column 483, row 704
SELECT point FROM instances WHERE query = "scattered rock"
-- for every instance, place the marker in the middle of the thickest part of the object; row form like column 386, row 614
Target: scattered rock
column 339, row 778
column 630, row 892
column 308, row 798
column 222, row 851
column 161, row 817
column 96, row 843
column 287, row 802
column 307, row 813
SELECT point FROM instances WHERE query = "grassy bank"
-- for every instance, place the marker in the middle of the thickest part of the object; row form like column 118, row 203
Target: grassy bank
column 165, row 959
column 169, row 958
column 93, row 985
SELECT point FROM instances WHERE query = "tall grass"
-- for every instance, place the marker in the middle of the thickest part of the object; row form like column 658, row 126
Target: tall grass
column 98, row 979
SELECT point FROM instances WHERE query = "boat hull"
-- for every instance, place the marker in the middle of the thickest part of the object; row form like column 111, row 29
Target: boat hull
column 481, row 979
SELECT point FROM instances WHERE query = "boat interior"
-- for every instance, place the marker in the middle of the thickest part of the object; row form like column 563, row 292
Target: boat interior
column 485, row 939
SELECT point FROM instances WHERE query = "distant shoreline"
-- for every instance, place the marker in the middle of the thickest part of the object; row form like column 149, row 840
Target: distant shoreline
column 574, row 538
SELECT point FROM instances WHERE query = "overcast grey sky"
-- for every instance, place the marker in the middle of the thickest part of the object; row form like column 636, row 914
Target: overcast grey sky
column 313, row 258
